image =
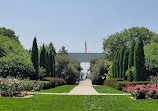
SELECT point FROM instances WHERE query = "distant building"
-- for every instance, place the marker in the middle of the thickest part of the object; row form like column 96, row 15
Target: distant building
column 84, row 58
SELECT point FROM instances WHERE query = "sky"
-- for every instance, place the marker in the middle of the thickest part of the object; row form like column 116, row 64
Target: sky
column 72, row 22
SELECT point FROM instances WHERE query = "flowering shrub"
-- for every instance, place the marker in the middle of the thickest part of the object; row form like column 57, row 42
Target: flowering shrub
column 142, row 91
column 14, row 86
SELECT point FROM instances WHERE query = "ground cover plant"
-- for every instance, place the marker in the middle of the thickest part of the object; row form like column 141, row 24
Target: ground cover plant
column 59, row 89
column 106, row 89
column 77, row 103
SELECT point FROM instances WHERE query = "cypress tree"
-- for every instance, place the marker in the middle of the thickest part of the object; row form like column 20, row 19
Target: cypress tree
column 113, row 69
column 47, row 64
column 116, row 66
column 51, row 63
column 131, row 55
column 122, row 50
column 139, row 60
column 125, row 63
column 43, row 57
column 34, row 58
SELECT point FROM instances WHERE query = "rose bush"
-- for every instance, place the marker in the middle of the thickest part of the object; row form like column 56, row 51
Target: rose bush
column 11, row 86
column 142, row 91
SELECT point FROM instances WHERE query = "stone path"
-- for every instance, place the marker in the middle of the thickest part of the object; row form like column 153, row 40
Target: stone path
column 84, row 88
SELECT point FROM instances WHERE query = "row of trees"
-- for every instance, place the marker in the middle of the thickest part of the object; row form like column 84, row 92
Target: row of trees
column 43, row 59
column 129, row 64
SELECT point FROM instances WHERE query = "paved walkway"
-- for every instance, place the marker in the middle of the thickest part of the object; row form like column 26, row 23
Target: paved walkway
column 84, row 88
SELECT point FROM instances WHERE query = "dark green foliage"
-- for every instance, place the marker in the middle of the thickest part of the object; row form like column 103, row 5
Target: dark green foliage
column 52, row 48
column 46, row 84
column 113, row 43
column 16, row 65
column 8, row 46
column 63, row 50
column 111, row 82
column 98, row 71
column 125, row 63
column 47, row 65
column 139, row 61
column 51, row 63
column 122, row 50
column 9, row 33
column 55, row 81
column 67, row 68
column 130, row 73
column 34, row 58
column 43, row 57
column 120, row 84
column 131, row 54
column 151, row 58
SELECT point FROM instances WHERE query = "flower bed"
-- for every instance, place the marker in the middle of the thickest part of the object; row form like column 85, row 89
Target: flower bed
column 142, row 91
column 15, row 86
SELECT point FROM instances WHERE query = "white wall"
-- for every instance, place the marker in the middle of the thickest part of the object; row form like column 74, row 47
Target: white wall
column 85, row 66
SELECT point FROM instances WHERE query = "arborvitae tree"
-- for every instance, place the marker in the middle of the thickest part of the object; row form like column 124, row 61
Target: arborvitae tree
column 43, row 57
column 113, row 69
column 117, row 65
column 125, row 63
column 34, row 58
column 47, row 64
column 139, row 61
column 131, row 55
column 51, row 63
column 121, row 60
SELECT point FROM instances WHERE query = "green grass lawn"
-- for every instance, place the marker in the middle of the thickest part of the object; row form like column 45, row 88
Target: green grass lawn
column 59, row 89
column 106, row 89
column 76, row 103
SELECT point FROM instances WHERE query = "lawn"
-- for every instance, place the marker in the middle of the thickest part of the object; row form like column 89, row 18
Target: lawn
column 59, row 89
column 76, row 103
column 106, row 89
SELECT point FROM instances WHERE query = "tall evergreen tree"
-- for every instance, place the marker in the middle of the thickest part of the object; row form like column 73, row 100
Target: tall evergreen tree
column 122, row 50
column 139, row 60
column 125, row 63
column 51, row 63
column 131, row 55
column 43, row 57
column 47, row 64
column 34, row 58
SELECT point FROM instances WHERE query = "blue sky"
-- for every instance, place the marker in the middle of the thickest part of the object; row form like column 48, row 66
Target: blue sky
column 71, row 22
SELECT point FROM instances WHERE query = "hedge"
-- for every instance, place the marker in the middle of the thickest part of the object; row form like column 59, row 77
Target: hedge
column 111, row 82
column 55, row 81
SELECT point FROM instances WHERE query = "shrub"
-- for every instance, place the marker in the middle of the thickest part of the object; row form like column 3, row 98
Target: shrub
column 46, row 84
column 142, row 91
column 55, row 81
column 111, row 82
column 130, row 73
column 120, row 84
column 14, row 86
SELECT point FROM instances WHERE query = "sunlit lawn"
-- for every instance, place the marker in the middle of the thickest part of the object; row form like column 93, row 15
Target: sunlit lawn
column 59, row 89
column 76, row 103
column 106, row 89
